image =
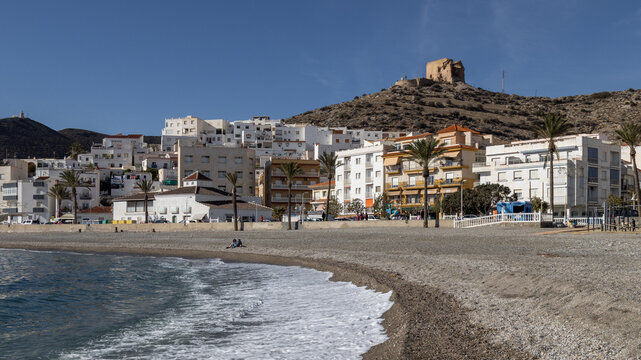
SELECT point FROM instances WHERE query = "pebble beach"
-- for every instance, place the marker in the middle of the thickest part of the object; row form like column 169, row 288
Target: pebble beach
column 458, row 293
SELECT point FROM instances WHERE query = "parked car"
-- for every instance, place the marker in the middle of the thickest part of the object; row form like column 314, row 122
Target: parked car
column 469, row 216
column 30, row 222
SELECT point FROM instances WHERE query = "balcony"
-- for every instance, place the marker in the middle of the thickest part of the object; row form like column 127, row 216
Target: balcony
column 294, row 187
column 85, row 196
column 369, row 179
column 392, row 169
column 10, row 197
column 593, row 180
column 38, row 196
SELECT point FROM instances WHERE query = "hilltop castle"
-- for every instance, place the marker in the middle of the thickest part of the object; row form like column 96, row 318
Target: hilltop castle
column 443, row 70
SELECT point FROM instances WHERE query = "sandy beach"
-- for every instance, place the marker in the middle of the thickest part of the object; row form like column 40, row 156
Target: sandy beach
column 458, row 293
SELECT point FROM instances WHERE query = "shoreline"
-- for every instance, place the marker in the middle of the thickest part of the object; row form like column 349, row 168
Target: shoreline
column 409, row 324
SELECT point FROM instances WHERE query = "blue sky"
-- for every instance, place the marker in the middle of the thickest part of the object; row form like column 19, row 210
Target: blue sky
column 124, row 66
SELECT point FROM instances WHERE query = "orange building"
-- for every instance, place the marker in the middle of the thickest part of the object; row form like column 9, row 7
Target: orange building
column 404, row 180
column 276, row 188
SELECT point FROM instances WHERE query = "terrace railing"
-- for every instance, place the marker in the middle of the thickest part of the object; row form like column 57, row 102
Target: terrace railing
column 501, row 218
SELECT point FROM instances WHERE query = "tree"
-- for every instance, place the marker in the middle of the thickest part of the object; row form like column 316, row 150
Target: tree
column 380, row 205
column 423, row 152
column 59, row 192
column 71, row 179
column 630, row 135
column 291, row 169
column 233, row 180
column 539, row 205
column 145, row 186
column 277, row 213
column 479, row 200
column 328, row 163
column 554, row 125
column 335, row 207
column 74, row 150
column 614, row 200
column 356, row 206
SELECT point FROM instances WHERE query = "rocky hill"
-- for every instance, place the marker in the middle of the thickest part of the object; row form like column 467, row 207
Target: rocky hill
column 24, row 137
column 433, row 106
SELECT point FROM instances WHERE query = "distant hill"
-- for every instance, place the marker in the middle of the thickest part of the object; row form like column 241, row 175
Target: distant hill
column 434, row 106
column 27, row 138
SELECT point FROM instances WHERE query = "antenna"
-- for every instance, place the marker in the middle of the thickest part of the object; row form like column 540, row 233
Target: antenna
column 502, row 80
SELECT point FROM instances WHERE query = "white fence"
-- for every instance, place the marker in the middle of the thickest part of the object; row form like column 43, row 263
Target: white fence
column 502, row 218
column 579, row 221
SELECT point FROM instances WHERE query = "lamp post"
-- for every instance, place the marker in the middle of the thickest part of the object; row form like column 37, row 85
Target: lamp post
column 462, row 181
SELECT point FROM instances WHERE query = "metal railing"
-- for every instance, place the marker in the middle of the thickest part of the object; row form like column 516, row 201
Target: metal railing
column 502, row 218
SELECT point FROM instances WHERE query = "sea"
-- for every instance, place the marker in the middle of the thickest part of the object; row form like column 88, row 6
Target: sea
column 61, row 305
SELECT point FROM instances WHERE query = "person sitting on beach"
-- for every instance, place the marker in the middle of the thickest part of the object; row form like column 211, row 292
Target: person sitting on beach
column 240, row 244
column 233, row 244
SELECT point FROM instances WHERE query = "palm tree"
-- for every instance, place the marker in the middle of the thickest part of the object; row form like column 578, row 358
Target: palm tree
column 630, row 134
column 328, row 163
column 145, row 186
column 423, row 152
column 291, row 169
column 75, row 150
column 58, row 192
column 71, row 178
column 233, row 179
column 554, row 125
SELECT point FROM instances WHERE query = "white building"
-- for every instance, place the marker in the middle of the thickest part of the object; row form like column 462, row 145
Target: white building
column 588, row 171
column 215, row 132
column 361, row 176
column 125, row 184
column 26, row 200
column 196, row 202
column 116, row 151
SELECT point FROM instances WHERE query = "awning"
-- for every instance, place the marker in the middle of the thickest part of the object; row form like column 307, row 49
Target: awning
column 453, row 154
column 390, row 161
column 411, row 192
column 369, row 202
column 431, row 191
column 394, row 193
column 198, row 216
column 67, row 216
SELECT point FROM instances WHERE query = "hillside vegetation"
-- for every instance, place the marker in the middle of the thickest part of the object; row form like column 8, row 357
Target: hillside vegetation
column 509, row 117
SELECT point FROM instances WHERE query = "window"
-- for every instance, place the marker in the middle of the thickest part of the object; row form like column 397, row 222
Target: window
column 412, row 181
column 534, row 174
column 189, row 158
column 518, row 175
column 205, row 172
column 378, row 158
column 222, row 160
column 395, row 182
column 593, row 155
column 358, row 175
column 222, row 187
column 502, row 176
column 240, row 174
column 204, row 159
column 358, row 190
column 614, row 176
column 593, row 174
column 519, row 194
column 221, row 174
column 238, row 160
column 378, row 173
column 378, row 189
column 358, row 161
column 338, row 177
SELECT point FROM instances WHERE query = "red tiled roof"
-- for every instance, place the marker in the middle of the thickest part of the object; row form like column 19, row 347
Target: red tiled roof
column 323, row 184
column 196, row 176
column 459, row 128
column 121, row 136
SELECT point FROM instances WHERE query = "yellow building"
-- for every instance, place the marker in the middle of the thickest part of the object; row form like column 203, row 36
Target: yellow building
column 404, row 180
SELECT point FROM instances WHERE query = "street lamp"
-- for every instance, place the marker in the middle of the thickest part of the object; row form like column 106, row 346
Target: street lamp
column 462, row 181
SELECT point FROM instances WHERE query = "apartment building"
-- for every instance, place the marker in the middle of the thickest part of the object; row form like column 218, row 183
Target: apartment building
column 26, row 200
column 275, row 188
column 116, row 151
column 217, row 132
column 588, row 171
column 361, row 175
column 126, row 184
column 214, row 162
column 13, row 169
column 319, row 195
column 404, row 182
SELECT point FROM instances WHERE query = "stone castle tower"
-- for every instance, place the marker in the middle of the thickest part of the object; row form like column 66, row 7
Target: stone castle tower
column 445, row 70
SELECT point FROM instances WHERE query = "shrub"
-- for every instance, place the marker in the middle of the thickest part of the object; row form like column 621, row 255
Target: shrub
column 601, row 95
